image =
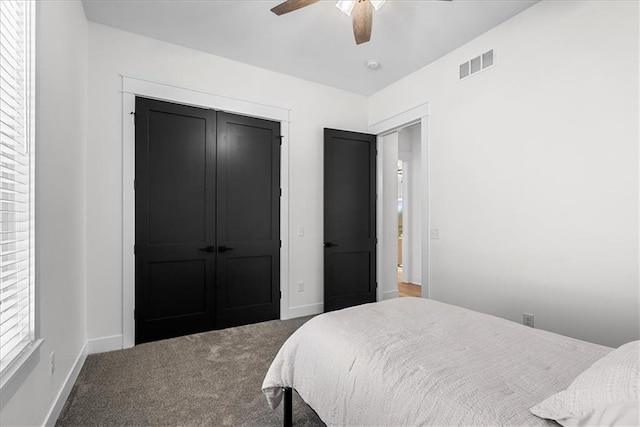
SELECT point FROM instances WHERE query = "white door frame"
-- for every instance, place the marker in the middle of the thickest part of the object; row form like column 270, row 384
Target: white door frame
column 418, row 114
column 407, row 238
column 132, row 87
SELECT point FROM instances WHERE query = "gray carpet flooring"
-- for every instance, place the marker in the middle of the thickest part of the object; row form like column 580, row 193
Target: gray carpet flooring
column 211, row 379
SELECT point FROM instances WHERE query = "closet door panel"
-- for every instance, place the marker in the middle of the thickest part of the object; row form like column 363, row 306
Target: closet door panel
column 248, row 220
column 175, row 220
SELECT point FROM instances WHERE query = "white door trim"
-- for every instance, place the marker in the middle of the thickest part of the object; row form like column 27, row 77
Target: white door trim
column 132, row 87
column 418, row 114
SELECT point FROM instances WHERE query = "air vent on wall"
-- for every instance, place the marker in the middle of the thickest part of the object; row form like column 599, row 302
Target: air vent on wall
column 477, row 64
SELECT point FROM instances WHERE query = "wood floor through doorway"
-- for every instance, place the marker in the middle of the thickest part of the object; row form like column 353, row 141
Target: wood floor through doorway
column 407, row 289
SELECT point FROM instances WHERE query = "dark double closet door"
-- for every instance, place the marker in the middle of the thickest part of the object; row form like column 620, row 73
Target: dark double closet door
column 207, row 200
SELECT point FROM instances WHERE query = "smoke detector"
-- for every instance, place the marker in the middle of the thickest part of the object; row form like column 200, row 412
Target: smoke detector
column 372, row 64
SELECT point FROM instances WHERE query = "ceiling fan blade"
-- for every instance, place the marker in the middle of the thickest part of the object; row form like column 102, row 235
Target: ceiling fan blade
column 362, row 21
column 291, row 5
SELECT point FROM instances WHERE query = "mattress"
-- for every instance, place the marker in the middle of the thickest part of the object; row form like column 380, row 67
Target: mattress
column 415, row 361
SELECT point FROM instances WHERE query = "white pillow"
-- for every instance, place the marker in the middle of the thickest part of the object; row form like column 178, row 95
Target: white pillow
column 609, row 388
column 615, row 414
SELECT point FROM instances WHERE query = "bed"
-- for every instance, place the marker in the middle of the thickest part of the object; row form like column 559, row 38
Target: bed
column 415, row 361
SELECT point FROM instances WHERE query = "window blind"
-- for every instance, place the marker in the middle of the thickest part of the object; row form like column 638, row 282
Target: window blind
column 16, row 180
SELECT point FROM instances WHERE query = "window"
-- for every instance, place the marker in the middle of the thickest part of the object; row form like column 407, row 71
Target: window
column 16, row 182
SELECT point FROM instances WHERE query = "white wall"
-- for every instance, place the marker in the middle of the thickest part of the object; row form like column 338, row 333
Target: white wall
column 113, row 52
column 534, row 169
column 60, row 214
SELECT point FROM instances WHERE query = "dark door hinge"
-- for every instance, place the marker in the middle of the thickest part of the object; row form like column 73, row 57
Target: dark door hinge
column 134, row 249
column 280, row 243
column 134, row 314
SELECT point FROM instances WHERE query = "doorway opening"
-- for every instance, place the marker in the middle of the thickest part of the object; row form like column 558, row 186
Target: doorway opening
column 400, row 204
column 409, row 242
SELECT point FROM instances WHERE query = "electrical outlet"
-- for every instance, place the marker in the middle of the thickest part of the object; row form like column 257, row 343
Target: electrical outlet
column 435, row 234
column 527, row 319
column 300, row 231
column 52, row 363
column 301, row 286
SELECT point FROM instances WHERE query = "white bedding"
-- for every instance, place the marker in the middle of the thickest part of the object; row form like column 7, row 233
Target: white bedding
column 414, row 361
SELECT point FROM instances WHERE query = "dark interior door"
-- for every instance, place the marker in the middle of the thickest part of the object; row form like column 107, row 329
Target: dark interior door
column 175, row 161
column 248, row 220
column 349, row 219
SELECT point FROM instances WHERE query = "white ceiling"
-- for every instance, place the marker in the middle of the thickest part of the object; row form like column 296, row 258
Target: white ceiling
column 314, row 43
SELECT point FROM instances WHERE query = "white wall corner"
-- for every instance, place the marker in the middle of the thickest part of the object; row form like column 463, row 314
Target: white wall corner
column 66, row 388
column 104, row 344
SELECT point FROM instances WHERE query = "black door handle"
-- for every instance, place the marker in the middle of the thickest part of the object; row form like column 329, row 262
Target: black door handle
column 224, row 249
column 208, row 249
column 329, row 245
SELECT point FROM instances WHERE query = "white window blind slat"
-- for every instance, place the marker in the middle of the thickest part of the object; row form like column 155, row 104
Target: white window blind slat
column 13, row 305
column 11, row 98
column 12, row 109
column 15, row 134
column 11, row 42
column 14, row 122
column 11, row 73
column 16, row 180
column 11, row 11
column 10, row 69
column 13, row 281
column 13, row 15
column 12, row 249
column 13, row 314
column 8, row 144
column 13, row 139
column 11, row 293
column 8, row 91
column 12, row 165
column 8, row 328
column 17, row 337
column 13, row 24
column 11, row 54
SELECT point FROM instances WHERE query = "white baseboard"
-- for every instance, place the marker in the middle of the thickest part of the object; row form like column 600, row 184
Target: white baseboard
column 104, row 344
column 389, row 295
column 65, row 390
column 305, row 310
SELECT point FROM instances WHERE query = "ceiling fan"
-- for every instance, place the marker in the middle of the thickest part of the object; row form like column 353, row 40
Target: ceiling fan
column 361, row 12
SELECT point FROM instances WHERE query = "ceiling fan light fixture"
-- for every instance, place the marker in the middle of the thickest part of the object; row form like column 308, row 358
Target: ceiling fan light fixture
column 346, row 6
column 377, row 4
